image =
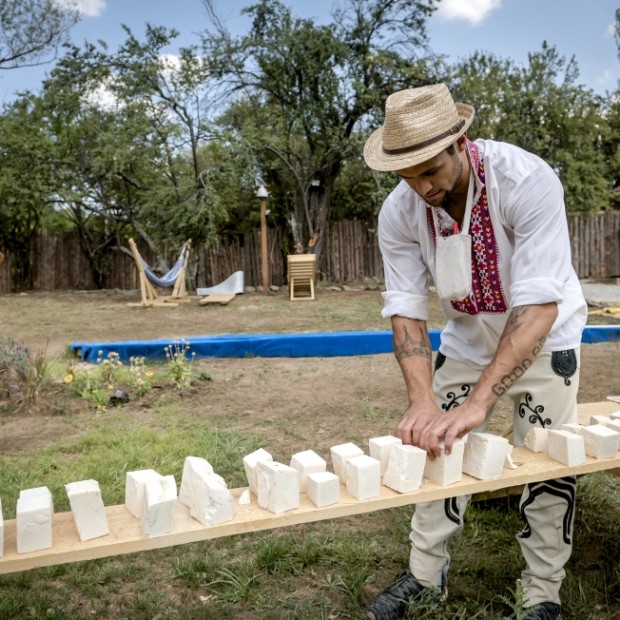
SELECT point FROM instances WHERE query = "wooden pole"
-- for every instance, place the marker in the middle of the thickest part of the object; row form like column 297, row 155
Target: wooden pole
column 263, row 244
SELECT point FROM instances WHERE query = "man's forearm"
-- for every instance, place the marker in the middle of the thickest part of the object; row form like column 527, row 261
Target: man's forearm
column 412, row 348
column 522, row 340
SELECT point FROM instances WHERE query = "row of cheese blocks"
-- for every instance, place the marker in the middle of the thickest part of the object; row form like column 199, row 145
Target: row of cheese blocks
column 151, row 497
column 573, row 442
column 399, row 467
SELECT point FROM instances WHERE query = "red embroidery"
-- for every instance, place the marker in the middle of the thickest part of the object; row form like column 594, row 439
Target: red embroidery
column 487, row 296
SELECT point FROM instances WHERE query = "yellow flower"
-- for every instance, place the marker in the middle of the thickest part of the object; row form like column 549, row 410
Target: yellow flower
column 69, row 378
column 149, row 373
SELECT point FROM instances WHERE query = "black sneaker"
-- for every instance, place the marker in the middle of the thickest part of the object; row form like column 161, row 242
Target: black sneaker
column 392, row 603
column 542, row 611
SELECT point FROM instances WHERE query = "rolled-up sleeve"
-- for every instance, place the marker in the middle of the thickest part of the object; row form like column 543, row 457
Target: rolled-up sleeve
column 406, row 276
column 541, row 263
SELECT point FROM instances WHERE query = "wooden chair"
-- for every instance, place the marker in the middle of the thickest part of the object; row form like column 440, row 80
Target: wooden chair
column 301, row 269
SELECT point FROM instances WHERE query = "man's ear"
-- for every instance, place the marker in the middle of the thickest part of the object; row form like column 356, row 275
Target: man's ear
column 461, row 142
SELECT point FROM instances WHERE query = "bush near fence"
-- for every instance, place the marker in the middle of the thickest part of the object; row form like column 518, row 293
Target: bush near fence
column 350, row 254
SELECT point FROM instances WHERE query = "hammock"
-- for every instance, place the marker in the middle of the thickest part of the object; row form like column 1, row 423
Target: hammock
column 171, row 277
column 148, row 279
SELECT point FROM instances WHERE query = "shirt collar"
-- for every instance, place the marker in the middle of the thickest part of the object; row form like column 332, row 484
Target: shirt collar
column 473, row 154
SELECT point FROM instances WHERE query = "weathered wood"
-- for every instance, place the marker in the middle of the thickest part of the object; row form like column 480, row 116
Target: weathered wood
column 126, row 533
column 350, row 252
column 222, row 300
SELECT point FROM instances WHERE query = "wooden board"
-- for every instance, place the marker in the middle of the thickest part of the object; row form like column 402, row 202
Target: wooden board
column 126, row 531
column 217, row 299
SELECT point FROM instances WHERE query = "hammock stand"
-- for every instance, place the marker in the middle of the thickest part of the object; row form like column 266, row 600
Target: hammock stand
column 148, row 279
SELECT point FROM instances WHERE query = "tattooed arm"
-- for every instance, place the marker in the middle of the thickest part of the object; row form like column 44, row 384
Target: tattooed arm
column 522, row 340
column 412, row 348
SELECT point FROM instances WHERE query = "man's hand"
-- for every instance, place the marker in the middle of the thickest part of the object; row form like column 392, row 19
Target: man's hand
column 416, row 419
column 448, row 426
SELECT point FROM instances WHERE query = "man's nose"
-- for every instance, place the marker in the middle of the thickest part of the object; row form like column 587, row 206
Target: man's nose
column 420, row 186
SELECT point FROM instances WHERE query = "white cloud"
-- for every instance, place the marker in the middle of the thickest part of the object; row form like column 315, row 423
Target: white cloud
column 610, row 31
column 89, row 8
column 472, row 11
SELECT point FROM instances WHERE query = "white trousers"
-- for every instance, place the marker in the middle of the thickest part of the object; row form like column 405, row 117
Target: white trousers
column 545, row 396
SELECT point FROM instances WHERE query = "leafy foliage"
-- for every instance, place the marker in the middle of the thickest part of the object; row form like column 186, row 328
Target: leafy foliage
column 31, row 31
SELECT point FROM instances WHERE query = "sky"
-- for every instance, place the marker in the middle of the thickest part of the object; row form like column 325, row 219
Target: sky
column 507, row 28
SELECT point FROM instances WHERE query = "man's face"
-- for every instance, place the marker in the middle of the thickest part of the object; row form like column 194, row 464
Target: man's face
column 437, row 180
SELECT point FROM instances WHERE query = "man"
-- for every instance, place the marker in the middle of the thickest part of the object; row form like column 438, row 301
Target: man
column 486, row 222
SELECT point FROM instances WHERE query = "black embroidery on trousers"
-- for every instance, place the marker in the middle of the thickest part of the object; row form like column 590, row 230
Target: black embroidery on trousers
column 535, row 416
column 453, row 399
column 439, row 361
column 564, row 363
column 563, row 488
column 451, row 508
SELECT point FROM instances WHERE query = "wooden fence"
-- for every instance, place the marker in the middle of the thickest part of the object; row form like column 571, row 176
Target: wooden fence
column 350, row 254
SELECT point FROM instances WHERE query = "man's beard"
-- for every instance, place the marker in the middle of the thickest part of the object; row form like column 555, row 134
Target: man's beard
column 448, row 197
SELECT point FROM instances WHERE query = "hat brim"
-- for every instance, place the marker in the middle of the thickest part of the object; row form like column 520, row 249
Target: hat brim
column 377, row 159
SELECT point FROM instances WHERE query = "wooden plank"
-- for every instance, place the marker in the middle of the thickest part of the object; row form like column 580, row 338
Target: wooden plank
column 126, row 535
column 222, row 300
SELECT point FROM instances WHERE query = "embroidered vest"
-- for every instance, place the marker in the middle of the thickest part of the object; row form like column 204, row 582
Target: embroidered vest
column 487, row 296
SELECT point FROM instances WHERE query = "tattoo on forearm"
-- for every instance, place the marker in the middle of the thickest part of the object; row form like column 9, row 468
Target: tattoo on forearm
column 509, row 379
column 499, row 389
column 538, row 348
column 515, row 320
column 410, row 347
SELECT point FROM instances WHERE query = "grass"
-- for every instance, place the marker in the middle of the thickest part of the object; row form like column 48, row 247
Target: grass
column 326, row 570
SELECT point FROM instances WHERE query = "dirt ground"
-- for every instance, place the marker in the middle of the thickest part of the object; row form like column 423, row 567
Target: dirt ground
column 291, row 403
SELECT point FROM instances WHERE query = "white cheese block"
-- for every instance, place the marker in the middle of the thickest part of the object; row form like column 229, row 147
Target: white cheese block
column 601, row 442
column 323, row 488
column 307, row 462
column 381, row 447
column 250, row 462
column 599, row 419
column 340, row 454
column 565, row 447
column 134, row 489
column 33, row 518
column 363, row 476
column 573, row 427
column 191, row 465
column 405, row 468
column 484, row 455
column 614, row 425
column 536, row 439
column 446, row 469
column 87, row 509
column 212, row 501
column 1, row 531
column 160, row 497
column 615, row 415
column 277, row 486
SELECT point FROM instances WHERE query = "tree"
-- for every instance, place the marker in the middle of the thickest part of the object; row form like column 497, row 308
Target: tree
column 26, row 185
column 31, row 31
column 542, row 108
column 307, row 88
column 134, row 165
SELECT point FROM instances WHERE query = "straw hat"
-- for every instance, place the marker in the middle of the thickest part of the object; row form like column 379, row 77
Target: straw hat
column 419, row 124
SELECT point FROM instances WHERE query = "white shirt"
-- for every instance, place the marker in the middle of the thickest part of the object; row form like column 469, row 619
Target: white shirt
column 526, row 206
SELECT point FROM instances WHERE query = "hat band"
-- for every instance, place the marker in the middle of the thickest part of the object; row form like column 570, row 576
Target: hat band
column 420, row 145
